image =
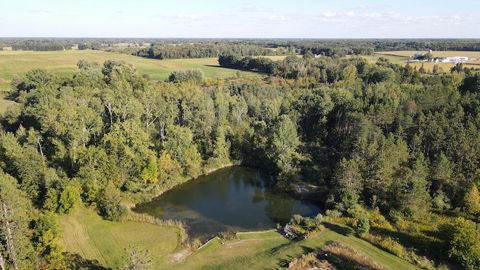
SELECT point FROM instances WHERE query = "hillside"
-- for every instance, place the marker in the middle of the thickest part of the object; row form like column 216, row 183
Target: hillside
column 86, row 234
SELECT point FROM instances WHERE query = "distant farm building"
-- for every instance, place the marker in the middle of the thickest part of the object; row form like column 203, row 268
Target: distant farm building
column 453, row 59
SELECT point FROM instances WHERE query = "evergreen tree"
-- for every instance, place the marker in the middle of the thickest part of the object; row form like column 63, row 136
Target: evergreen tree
column 348, row 184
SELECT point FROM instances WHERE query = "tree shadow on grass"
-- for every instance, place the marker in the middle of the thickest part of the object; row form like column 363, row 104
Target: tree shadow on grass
column 284, row 262
column 343, row 230
column 427, row 244
column 240, row 70
column 76, row 262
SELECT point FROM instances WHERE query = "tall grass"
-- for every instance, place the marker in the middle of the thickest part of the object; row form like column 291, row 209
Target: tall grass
column 182, row 232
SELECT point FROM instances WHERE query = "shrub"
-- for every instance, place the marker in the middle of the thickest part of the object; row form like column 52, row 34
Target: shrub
column 463, row 240
column 300, row 227
column 362, row 225
column 190, row 75
column 69, row 198
column 333, row 213
column 110, row 205
column 441, row 202
column 51, row 200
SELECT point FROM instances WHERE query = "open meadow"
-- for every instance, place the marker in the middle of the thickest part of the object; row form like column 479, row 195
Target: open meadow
column 16, row 63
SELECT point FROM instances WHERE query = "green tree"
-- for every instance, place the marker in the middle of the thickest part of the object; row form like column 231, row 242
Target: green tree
column 69, row 198
column 472, row 201
column 284, row 146
column 180, row 146
column 47, row 240
column 348, row 184
column 16, row 250
column 51, row 200
column 441, row 172
column 463, row 239
column 110, row 203
column 414, row 199
column 169, row 171
column 221, row 152
column 150, row 172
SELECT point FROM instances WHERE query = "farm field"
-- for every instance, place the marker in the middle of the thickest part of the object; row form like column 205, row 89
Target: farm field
column 16, row 63
column 469, row 54
column 401, row 57
column 85, row 233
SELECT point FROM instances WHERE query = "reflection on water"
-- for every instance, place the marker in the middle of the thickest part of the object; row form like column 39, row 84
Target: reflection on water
column 232, row 199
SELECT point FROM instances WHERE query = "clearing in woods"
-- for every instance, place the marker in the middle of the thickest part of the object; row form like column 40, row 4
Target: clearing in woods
column 87, row 234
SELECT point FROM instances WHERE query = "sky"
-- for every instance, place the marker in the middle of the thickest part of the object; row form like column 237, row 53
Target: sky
column 241, row 19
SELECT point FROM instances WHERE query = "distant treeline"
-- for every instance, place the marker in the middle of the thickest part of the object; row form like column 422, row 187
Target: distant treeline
column 197, row 48
column 202, row 50
column 260, row 64
column 35, row 45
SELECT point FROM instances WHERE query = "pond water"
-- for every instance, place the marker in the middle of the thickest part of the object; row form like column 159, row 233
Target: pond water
column 231, row 199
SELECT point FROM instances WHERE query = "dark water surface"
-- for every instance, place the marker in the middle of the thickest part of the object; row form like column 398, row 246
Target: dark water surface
column 231, row 199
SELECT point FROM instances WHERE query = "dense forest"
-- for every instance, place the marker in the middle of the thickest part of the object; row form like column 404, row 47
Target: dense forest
column 374, row 137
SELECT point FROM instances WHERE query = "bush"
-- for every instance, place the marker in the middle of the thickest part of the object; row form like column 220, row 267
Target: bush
column 362, row 225
column 110, row 205
column 190, row 75
column 333, row 213
column 300, row 227
column 69, row 198
column 463, row 240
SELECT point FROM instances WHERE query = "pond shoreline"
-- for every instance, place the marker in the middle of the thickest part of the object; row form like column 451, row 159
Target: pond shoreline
column 229, row 199
column 132, row 206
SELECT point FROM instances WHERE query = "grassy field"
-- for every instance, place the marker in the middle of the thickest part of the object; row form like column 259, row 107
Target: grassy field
column 13, row 63
column 87, row 234
column 401, row 57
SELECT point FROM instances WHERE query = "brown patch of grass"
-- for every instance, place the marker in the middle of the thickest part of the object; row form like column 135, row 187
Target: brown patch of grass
column 346, row 258
column 310, row 261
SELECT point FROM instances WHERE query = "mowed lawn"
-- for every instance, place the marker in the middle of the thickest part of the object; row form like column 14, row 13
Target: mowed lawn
column 16, row 63
column 270, row 250
column 86, row 234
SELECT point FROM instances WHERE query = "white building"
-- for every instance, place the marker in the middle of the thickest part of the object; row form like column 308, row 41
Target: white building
column 454, row 59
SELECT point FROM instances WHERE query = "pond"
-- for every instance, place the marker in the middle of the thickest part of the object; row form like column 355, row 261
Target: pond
column 231, row 199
